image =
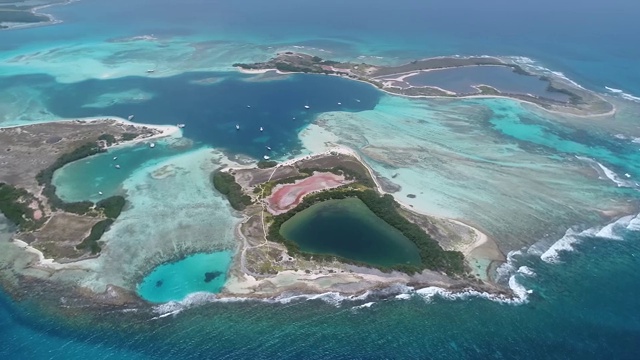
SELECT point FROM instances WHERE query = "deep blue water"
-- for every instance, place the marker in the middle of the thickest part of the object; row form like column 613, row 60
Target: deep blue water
column 211, row 111
column 583, row 308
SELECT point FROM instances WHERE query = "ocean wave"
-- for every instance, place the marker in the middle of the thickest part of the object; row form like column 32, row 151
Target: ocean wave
column 608, row 173
column 622, row 94
column 533, row 66
column 521, row 294
column 525, row 270
column 363, row 306
column 612, row 231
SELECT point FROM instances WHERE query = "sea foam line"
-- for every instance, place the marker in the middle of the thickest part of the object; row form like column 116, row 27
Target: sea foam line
column 612, row 231
column 622, row 94
column 608, row 173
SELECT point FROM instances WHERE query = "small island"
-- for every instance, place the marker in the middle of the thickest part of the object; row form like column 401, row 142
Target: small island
column 322, row 223
column 482, row 76
column 21, row 13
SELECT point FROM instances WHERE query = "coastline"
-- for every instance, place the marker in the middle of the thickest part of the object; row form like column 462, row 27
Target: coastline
column 335, row 277
column 52, row 19
column 453, row 96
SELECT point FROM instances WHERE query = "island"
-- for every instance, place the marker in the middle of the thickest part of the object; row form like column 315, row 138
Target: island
column 451, row 77
column 21, row 13
column 323, row 223
column 30, row 154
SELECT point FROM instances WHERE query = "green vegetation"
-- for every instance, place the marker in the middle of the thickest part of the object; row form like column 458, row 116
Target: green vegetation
column 45, row 177
column 111, row 206
column 432, row 255
column 108, row 138
column 14, row 204
column 129, row 136
column 91, row 241
column 266, row 164
column 226, row 184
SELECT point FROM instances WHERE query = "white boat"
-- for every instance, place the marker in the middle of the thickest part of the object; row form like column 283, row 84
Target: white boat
column 151, row 71
column 269, row 148
column 339, row 103
column 99, row 192
column 152, row 145
column 248, row 106
column 306, row 106
column 115, row 158
column 357, row 100
column 266, row 157
column 627, row 175
column 117, row 166
column 261, row 129
column 130, row 117
column 294, row 118
column 181, row 126
column 237, row 127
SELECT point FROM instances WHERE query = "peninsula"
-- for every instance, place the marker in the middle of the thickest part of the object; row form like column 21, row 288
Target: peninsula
column 30, row 154
column 451, row 77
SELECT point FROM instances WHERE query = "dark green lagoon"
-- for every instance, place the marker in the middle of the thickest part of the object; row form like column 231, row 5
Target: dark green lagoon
column 347, row 228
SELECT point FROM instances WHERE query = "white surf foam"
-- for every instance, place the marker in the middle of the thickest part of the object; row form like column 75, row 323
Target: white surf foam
column 613, row 90
column 363, row 306
column 525, row 270
column 612, row 231
column 608, row 173
column 521, row 294
column 622, row 94
column 634, row 224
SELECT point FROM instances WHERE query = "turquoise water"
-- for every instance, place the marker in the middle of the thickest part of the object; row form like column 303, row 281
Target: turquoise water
column 583, row 304
column 86, row 178
column 463, row 79
column 347, row 228
column 196, row 273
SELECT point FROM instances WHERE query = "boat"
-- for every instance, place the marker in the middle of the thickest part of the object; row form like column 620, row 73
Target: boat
column 269, row 148
column 306, row 106
column 627, row 175
column 339, row 103
column 181, row 126
column 358, row 100
column 237, row 127
column 294, row 118
column 117, row 166
column 248, row 106
column 261, row 129
column 115, row 158
column 152, row 145
column 99, row 192
column 149, row 71
column 266, row 157
column 130, row 117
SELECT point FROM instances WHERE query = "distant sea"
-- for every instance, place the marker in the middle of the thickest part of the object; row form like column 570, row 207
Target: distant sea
column 583, row 302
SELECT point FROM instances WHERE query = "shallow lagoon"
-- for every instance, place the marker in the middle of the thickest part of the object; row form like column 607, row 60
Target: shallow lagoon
column 196, row 273
column 86, row 178
column 462, row 79
column 347, row 228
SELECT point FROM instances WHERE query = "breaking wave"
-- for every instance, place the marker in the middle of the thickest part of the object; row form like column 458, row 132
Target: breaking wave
column 612, row 231
column 608, row 173
column 622, row 94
